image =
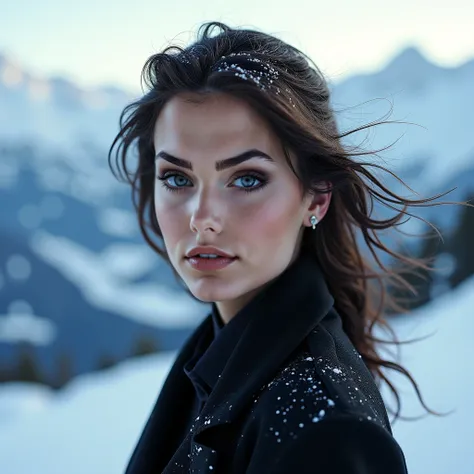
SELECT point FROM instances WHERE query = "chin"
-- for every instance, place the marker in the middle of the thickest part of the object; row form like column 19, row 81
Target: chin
column 207, row 292
column 204, row 299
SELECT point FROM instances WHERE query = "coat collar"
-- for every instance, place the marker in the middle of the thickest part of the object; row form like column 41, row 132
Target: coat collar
column 279, row 319
column 207, row 364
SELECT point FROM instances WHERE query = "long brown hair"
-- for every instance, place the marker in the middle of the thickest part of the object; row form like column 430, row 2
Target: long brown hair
column 286, row 88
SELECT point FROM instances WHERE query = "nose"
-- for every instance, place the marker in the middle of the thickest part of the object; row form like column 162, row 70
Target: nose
column 206, row 214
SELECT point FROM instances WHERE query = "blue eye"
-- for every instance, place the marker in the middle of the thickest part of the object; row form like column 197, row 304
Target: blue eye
column 164, row 181
column 247, row 180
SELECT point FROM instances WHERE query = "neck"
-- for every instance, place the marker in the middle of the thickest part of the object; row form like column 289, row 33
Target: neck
column 228, row 309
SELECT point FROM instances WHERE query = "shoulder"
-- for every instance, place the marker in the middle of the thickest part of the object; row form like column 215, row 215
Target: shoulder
column 302, row 426
column 307, row 390
column 296, row 396
column 339, row 444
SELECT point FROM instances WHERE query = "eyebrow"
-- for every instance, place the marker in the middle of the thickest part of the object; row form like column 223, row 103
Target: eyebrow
column 220, row 165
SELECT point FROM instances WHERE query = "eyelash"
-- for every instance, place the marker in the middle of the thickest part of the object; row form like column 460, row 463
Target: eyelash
column 253, row 174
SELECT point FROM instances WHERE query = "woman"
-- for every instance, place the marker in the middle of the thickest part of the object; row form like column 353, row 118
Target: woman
column 255, row 202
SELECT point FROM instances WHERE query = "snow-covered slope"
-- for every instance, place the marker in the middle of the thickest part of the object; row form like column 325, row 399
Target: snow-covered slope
column 90, row 427
column 442, row 366
column 93, row 424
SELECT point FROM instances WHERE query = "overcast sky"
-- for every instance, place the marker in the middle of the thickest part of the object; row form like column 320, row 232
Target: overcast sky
column 106, row 42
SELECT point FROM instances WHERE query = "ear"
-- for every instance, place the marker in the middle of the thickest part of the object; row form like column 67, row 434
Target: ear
column 318, row 203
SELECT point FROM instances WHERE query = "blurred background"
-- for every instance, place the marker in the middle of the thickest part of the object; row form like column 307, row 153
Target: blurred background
column 90, row 319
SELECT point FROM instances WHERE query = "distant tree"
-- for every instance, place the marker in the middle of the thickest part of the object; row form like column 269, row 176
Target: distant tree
column 5, row 374
column 106, row 362
column 461, row 245
column 420, row 279
column 64, row 370
column 26, row 369
column 144, row 345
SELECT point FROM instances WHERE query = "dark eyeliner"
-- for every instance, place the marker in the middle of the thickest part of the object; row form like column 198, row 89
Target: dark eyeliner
column 254, row 174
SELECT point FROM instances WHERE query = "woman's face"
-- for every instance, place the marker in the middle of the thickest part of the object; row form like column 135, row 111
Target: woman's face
column 254, row 210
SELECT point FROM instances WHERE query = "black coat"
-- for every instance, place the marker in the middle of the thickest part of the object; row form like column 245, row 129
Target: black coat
column 294, row 397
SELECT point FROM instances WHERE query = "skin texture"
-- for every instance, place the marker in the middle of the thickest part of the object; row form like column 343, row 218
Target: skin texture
column 263, row 228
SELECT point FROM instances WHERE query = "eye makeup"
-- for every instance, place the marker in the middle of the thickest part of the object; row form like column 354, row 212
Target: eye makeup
column 255, row 175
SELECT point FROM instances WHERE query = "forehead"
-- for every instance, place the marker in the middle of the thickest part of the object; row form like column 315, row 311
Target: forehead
column 216, row 124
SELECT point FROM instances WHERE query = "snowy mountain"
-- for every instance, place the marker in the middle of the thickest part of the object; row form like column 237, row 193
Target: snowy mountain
column 67, row 226
column 433, row 152
column 438, row 101
column 55, row 111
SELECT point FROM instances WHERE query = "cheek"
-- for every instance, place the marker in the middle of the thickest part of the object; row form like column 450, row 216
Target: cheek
column 170, row 219
column 272, row 219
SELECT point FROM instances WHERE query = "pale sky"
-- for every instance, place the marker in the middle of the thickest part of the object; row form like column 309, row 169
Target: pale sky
column 96, row 42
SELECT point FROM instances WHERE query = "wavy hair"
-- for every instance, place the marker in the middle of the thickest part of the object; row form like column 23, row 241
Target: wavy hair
column 289, row 91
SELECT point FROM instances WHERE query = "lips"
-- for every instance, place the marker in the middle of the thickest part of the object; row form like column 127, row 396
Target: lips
column 196, row 251
column 210, row 264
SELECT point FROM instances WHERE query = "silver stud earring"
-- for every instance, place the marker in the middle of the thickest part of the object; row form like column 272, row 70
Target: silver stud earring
column 313, row 220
